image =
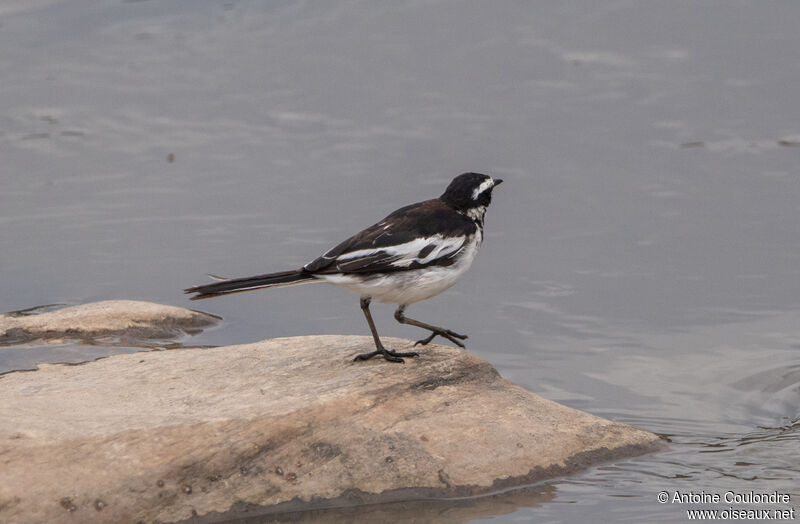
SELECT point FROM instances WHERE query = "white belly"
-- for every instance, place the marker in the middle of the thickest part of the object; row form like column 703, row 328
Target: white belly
column 407, row 287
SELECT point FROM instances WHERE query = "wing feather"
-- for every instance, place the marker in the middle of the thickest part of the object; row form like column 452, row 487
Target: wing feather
column 417, row 236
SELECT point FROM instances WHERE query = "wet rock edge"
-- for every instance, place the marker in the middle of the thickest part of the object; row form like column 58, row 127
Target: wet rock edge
column 352, row 499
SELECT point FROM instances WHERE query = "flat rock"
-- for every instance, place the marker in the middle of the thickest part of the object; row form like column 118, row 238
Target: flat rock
column 96, row 321
column 276, row 426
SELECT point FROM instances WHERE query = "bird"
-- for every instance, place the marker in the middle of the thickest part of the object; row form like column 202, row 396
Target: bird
column 413, row 254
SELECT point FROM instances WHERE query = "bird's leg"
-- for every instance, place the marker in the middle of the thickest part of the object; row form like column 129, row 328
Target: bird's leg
column 388, row 354
column 452, row 336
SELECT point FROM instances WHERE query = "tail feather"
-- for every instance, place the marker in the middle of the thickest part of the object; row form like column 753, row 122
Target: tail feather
column 240, row 285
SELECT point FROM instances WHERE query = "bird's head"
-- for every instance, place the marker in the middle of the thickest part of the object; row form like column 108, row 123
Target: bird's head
column 470, row 193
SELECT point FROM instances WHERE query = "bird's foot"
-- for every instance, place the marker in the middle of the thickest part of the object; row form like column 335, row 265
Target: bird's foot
column 452, row 336
column 388, row 354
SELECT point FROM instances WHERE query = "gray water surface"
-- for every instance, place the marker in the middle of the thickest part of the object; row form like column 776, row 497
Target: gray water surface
column 641, row 262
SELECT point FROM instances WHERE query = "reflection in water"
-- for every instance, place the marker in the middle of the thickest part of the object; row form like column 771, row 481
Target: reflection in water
column 453, row 511
column 28, row 356
column 23, row 347
column 35, row 310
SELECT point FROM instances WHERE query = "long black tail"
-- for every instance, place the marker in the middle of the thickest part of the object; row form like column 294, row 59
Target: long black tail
column 240, row 285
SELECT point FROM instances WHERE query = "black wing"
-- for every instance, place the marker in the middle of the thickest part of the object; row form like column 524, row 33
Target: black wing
column 420, row 235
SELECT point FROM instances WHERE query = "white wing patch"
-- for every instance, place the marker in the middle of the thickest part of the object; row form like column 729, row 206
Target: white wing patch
column 408, row 253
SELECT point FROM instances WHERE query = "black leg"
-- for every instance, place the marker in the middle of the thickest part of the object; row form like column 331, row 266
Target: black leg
column 452, row 336
column 388, row 354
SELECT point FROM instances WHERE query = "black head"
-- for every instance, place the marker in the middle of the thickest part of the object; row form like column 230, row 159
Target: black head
column 470, row 191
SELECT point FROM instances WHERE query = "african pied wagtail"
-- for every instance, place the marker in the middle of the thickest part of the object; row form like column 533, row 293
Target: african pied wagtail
column 411, row 255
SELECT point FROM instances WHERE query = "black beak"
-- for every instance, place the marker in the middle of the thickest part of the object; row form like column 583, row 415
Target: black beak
column 498, row 181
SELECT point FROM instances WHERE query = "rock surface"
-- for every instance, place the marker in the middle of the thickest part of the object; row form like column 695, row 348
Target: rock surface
column 275, row 426
column 93, row 322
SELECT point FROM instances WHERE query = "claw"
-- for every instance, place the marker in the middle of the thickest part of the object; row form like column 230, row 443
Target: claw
column 425, row 341
column 456, row 342
column 388, row 354
column 446, row 333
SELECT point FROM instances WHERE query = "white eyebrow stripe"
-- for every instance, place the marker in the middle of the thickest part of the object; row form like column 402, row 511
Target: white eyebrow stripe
column 486, row 184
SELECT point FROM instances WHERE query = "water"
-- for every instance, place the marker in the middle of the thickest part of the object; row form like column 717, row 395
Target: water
column 641, row 262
